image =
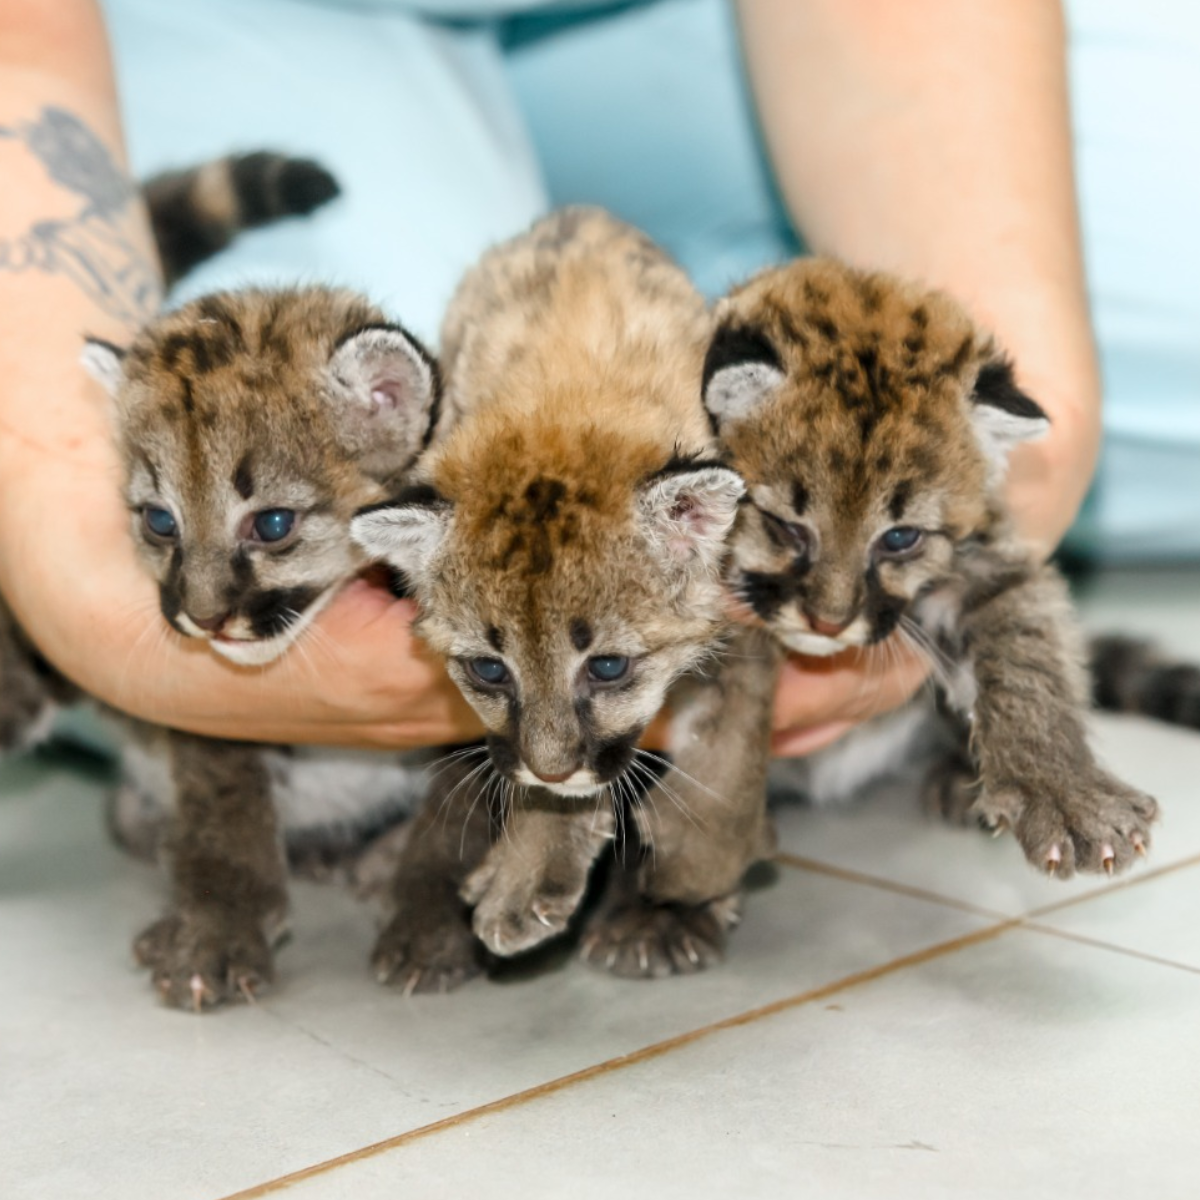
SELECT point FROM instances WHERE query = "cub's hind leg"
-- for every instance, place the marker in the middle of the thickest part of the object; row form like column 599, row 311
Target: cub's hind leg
column 428, row 944
column 228, row 876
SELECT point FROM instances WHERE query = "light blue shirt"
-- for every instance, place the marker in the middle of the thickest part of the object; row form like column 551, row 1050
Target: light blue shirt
column 450, row 134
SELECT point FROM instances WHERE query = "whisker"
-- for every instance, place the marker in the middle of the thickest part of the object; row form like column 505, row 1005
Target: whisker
column 671, row 766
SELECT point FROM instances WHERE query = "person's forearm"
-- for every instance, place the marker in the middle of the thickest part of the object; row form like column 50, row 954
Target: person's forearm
column 931, row 137
column 76, row 257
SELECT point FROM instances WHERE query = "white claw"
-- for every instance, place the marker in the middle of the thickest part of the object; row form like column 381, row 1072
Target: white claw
column 1053, row 858
column 690, row 950
column 537, row 912
column 643, row 957
column 1108, row 857
column 196, row 983
column 411, row 986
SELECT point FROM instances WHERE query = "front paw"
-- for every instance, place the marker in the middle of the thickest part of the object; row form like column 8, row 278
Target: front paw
column 199, row 961
column 420, row 952
column 638, row 939
column 515, row 911
column 1097, row 824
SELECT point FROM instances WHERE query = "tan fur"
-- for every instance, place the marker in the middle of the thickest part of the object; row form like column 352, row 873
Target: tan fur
column 554, row 534
column 573, row 359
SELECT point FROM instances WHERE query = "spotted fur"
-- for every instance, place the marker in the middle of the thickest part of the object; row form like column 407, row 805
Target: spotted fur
column 306, row 402
column 872, row 421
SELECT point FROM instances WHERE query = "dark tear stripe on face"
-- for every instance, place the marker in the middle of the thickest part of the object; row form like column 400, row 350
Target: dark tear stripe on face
column 170, row 592
column 606, row 757
column 881, row 608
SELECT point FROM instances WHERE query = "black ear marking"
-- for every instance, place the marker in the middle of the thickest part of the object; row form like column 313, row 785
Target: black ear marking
column 419, row 350
column 111, row 347
column 996, row 387
column 419, row 495
column 741, row 369
column 736, row 345
column 104, row 362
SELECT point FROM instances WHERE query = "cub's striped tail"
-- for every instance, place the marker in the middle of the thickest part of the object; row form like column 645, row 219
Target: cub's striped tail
column 1131, row 676
column 198, row 211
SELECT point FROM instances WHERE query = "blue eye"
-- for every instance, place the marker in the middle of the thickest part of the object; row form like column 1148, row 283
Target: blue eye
column 489, row 671
column 160, row 523
column 900, row 539
column 274, row 524
column 607, row 668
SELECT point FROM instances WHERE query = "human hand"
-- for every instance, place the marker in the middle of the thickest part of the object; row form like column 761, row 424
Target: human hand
column 818, row 700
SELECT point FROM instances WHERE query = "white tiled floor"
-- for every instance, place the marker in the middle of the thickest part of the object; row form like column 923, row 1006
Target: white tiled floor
column 907, row 1010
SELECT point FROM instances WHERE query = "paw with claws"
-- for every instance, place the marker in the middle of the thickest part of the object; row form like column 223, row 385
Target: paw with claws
column 198, row 962
column 639, row 939
column 1098, row 824
column 419, row 952
column 532, row 881
column 516, row 910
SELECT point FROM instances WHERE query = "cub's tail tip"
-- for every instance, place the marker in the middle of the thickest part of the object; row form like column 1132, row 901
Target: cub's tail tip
column 303, row 185
column 1131, row 675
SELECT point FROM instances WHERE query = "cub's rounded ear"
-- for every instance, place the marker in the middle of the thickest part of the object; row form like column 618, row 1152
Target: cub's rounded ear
column 1002, row 415
column 688, row 508
column 406, row 531
column 741, row 370
column 390, row 392
column 104, row 362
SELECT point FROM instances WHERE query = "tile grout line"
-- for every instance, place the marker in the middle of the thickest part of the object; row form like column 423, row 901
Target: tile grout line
column 849, row 875
column 634, row 1058
column 750, row 1016
column 1097, row 944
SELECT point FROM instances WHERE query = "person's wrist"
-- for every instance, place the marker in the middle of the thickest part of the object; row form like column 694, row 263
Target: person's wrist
column 1048, row 479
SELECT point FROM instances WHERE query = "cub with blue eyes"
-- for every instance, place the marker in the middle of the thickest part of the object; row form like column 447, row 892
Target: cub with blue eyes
column 252, row 425
column 872, row 422
column 566, row 546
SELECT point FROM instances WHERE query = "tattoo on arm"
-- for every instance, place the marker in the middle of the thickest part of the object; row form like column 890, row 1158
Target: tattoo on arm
column 92, row 248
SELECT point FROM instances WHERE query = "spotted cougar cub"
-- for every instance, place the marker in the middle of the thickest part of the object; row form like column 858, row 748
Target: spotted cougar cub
column 251, row 426
column 872, row 421
column 566, row 546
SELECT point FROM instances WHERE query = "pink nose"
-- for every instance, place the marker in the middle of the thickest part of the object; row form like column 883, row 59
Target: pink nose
column 827, row 628
column 559, row 778
column 209, row 624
